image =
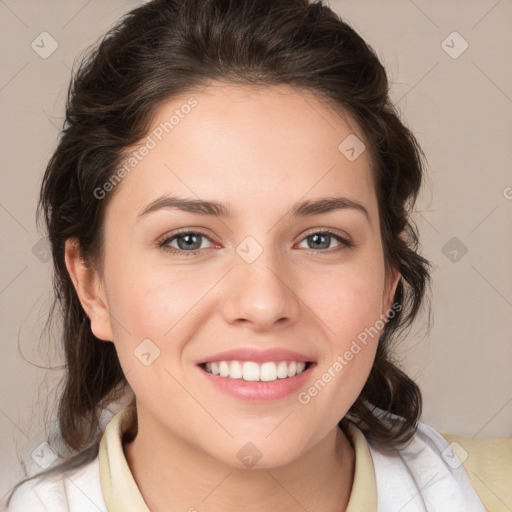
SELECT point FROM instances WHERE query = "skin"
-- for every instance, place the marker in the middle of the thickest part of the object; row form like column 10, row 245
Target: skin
column 259, row 150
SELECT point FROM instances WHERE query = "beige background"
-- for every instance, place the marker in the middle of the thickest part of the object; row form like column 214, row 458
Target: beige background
column 461, row 111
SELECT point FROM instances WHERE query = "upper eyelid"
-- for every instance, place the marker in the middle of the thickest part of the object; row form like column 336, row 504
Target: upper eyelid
column 311, row 231
column 167, row 237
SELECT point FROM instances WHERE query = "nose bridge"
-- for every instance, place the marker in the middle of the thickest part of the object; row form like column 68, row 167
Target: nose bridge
column 259, row 290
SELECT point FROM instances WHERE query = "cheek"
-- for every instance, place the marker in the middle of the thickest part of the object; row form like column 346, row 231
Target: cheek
column 155, row 302
column 151, row 309
column 146, row 296
column 348, row 301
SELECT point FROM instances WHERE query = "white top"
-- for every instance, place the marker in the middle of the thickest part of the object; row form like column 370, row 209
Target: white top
column 425, row 475
column 66, row 492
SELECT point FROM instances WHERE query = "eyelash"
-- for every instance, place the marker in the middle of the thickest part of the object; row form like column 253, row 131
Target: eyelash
column 345, row 243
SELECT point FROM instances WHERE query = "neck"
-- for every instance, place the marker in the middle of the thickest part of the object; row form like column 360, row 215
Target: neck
column 177, row 476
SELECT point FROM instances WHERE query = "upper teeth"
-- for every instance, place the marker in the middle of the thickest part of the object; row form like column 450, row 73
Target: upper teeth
column 252, row 371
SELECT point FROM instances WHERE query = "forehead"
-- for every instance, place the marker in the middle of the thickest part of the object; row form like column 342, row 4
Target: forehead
column 238, row 144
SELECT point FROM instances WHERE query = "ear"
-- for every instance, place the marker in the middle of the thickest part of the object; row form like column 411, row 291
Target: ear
column 391, row 283
column 90, row 290
column 392, row 279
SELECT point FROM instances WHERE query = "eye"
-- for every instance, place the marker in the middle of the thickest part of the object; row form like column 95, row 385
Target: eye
column 323, row 239
column 188, row 242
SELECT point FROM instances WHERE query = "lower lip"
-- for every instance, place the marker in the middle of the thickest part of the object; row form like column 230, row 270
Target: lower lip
column 263, row 391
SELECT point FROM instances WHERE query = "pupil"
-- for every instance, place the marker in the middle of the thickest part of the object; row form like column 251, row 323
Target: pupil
column 191, row 240
column 315, row 238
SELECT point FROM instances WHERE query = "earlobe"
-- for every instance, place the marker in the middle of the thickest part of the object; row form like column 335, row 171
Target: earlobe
column 90, row 291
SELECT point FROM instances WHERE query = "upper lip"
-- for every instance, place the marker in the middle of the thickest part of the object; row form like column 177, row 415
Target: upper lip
column 256, row 355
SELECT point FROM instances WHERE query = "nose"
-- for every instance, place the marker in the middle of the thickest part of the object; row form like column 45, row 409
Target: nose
column 261, row 294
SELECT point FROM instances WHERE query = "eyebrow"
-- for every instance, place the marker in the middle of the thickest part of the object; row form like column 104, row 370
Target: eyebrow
column 218, row 209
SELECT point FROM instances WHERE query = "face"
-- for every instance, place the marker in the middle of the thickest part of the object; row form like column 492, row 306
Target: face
column 262, row 272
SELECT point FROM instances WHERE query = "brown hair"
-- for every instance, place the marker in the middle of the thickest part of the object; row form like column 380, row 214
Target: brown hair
column 164, row 48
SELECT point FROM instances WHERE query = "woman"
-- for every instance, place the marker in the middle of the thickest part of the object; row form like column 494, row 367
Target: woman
column 228, row 208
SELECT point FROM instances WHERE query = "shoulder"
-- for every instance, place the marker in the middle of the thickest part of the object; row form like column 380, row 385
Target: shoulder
column 72, row 491
column 488, row 462
column 425, row 471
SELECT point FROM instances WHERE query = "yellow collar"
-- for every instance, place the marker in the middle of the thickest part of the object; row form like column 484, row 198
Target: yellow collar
column 121, row 493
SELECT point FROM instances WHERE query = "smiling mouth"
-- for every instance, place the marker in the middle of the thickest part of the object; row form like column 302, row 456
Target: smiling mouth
column 251, row 371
